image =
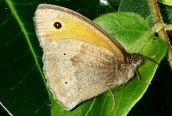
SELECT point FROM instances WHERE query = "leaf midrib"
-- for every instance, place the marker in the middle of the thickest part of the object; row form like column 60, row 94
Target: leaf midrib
column 12, row 8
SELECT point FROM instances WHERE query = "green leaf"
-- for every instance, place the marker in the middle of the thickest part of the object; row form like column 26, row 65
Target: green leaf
column 167, row 2
column 137, row 6
column 133, row 33
column 22, row 84
column 141, row 7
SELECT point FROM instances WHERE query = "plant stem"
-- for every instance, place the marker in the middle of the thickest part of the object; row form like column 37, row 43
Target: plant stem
column 159, row 23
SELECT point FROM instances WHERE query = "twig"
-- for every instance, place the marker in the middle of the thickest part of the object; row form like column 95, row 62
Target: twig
column 161, row 27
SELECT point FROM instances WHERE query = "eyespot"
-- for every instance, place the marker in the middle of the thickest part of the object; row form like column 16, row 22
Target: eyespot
column 122, row 66
column 57, row 25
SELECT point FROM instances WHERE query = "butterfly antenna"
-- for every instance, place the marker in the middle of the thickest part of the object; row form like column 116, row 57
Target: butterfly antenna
column 150, row 59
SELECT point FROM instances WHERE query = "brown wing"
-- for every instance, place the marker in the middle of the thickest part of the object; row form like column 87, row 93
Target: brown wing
column 77, row 70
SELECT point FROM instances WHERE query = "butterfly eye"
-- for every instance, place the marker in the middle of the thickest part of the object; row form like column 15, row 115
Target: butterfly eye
column 57, row 25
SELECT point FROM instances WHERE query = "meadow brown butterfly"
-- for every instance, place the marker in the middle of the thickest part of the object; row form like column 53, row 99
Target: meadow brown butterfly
column 81, row 60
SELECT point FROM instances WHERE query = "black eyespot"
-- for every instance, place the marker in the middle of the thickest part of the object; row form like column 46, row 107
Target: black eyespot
column 64, row 53
column 65, row 82
column 57, row 25
column 122, row 66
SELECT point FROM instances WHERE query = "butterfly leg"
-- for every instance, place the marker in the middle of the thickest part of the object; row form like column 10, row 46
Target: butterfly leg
column 112, row 96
